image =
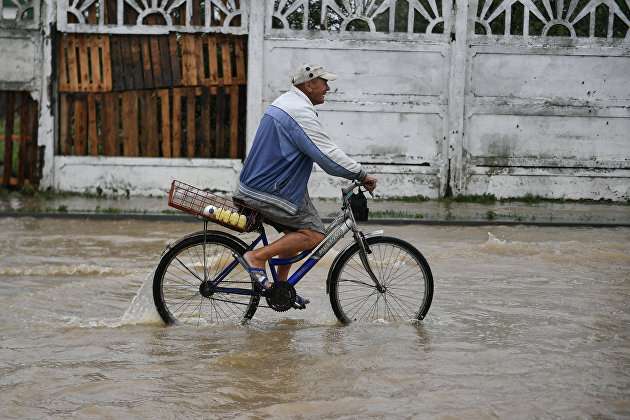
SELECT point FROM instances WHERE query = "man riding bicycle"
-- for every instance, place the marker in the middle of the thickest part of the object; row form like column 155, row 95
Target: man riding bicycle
column 275, row 175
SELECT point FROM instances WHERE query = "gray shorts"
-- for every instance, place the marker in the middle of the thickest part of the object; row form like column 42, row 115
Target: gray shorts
column 305, row 218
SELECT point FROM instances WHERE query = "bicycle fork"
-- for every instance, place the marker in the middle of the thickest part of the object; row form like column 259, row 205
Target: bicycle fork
column 364, row 250
column 340, row 227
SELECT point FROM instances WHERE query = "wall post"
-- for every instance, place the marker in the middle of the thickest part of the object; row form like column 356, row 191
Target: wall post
column 456, row 182
column 46, row 133
column 255, row 72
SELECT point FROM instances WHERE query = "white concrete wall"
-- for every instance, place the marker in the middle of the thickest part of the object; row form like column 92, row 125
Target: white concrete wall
column 21, row 59
column 471, row 114
column 386, row 110
column 21, row 47
column 142, row 176
column 548, row 121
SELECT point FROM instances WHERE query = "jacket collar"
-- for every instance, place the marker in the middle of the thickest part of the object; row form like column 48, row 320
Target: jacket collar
column 302, row 96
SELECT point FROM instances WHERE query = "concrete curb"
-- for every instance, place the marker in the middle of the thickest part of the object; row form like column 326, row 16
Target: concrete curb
column 390, row 222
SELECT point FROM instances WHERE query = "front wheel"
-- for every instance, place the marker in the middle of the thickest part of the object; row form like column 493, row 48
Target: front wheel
column 183, row 289
column 399, row 267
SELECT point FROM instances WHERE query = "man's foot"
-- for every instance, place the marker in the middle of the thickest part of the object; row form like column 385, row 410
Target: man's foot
column 300, row 302
column 252, row 262
column 261, row 276
column 257, row 271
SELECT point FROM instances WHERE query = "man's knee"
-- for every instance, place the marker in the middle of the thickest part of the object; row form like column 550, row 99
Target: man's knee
column 314, row 237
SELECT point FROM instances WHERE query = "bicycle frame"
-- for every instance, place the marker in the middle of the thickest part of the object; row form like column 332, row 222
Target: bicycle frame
column 342, row 224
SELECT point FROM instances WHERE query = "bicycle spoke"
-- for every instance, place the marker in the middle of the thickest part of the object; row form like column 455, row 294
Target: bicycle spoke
column 361, row 283
column 185, row 304
column 188, row 269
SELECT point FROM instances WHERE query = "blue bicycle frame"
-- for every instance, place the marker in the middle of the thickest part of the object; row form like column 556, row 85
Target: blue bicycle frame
column 333, row 234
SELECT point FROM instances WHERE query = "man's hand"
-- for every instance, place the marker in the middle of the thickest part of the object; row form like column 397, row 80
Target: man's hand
column 369, row 183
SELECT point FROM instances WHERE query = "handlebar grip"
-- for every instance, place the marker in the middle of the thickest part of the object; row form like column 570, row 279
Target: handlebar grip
column 356, row 183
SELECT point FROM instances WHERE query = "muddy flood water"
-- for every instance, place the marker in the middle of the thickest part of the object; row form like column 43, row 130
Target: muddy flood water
column 526, row 322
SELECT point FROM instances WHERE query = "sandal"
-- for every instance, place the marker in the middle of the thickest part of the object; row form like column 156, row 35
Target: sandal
column 260, row 275
column 300, row 302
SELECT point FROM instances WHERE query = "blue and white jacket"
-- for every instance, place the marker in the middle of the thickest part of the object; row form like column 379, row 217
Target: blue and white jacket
column 289, row 139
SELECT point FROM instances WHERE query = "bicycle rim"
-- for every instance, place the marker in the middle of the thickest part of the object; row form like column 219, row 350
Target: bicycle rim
column 399, row 267
column 177, row 291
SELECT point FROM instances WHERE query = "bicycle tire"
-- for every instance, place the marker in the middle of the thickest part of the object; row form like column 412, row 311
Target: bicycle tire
column 398, row 266
column 180, row 273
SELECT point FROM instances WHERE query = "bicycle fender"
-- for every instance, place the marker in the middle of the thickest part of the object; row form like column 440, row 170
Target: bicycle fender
column 201, row 232
column 343, row 251
column 373, row 233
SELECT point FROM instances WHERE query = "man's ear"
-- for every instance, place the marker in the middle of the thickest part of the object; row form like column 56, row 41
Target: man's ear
column 308, row 85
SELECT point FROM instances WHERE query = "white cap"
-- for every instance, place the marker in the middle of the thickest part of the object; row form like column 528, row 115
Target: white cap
column 309, row 72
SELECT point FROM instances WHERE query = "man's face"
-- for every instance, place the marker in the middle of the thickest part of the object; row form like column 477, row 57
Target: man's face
column 316, row 89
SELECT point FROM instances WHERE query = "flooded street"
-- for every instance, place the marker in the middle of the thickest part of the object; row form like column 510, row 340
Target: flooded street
column 526, row 322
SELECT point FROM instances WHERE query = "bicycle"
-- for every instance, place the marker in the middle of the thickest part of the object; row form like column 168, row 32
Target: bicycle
column 202, row 278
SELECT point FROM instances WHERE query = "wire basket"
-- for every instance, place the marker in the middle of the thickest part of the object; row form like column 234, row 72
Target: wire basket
column 208, row 206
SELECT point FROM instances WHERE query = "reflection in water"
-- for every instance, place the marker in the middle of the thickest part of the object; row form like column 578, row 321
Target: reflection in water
column 525, row 322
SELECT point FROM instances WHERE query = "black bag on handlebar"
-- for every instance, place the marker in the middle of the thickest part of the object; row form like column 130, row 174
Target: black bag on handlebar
column 358, row 204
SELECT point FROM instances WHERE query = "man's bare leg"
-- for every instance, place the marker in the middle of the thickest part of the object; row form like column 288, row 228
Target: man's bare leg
column 283, row 270
column 286, row 247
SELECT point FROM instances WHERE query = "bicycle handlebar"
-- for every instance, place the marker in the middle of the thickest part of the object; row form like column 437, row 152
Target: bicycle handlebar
column 346, row 191
column 355, row 184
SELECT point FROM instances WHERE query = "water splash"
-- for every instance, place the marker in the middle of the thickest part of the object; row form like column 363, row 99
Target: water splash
column 494, row 240
column 498, row 246
column 141, row 311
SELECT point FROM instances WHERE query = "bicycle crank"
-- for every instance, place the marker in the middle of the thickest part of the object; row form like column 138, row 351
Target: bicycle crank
column 281, row 296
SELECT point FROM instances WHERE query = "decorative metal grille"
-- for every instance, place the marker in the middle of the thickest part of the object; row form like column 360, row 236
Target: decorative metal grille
column 389, row 16
column 152, row 16
column 570, row 18
column 19, row 13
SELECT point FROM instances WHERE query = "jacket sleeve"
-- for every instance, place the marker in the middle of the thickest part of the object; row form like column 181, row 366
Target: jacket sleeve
column 319, row 147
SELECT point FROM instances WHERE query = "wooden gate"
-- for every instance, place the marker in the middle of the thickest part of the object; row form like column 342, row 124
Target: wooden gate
column 18, row 139
column 175, row 95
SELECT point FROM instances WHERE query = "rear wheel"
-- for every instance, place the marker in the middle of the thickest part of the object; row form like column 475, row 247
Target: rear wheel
column 182, row 285
column 401, row 270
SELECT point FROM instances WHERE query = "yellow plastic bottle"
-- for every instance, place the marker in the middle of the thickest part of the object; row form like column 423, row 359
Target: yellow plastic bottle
column 225, row 215
column 233, row 219
column 242, row 221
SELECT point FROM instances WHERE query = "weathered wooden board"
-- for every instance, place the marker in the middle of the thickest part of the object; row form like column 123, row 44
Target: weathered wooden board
column 18, row 117
column 142, row 110
column 8, row 100
column 84, row 63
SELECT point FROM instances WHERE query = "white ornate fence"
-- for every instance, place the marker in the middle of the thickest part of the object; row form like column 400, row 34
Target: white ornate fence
column 500, row 96
column 548, row 100
column 436, row 97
